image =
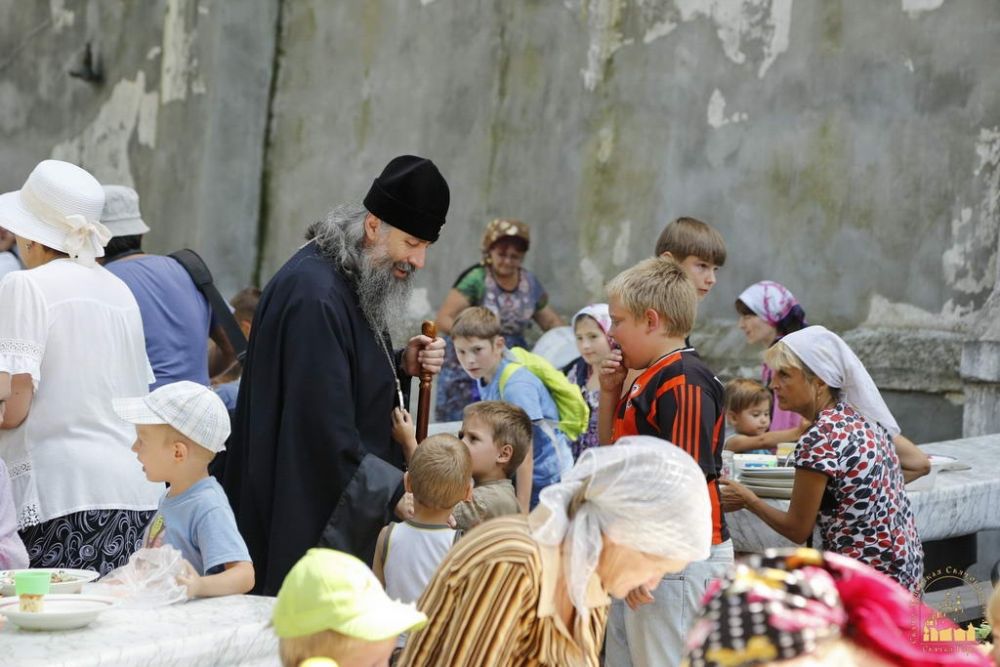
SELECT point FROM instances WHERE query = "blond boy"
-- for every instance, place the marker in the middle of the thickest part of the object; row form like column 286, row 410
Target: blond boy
column 498, row 436
column 180, row 427
column 331, row 606
column 407, row 554
column 676, row 398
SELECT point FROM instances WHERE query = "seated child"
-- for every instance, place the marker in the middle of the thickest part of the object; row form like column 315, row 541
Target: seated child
column 407, row 554
column 227, row 383
column 180, row 428
column 590, row 326
column 483, row 354
column 748, row 411
column 498, row 436
column 332, row 606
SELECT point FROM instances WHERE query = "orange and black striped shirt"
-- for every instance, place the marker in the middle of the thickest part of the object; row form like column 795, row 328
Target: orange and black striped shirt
column 680, row 400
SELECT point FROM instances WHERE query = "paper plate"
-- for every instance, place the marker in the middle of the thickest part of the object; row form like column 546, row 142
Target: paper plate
column 767, row 473
column 948, row 463
column 77, row 578
column 61, row 612
column 767, row 492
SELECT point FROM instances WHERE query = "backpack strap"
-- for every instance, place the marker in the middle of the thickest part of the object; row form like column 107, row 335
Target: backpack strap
column 508, row 370
column 202, row 277
column 385, row 544
column 459, row 534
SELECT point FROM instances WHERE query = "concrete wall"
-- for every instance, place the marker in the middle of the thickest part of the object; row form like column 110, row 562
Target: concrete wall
column 180, row 114
column 848, row 149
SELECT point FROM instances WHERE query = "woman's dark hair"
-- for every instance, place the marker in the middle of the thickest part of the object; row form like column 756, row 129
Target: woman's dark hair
column 119, row 245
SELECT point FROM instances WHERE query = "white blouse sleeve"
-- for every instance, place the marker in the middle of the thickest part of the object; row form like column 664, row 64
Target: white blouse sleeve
column 23, row 326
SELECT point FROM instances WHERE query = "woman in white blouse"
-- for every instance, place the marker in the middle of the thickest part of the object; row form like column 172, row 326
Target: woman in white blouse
column 71, row 340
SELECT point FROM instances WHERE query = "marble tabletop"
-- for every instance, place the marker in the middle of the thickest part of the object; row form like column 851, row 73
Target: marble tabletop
column 961, row 502
column 229, row 630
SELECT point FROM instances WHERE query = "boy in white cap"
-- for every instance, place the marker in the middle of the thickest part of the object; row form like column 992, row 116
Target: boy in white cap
column 180, row 428
column 332, row 607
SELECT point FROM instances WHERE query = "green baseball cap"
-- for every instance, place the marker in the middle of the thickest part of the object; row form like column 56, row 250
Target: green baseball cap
column 330, row 590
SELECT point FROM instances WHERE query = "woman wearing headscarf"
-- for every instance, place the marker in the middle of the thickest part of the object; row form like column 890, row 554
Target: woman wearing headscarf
column 769, row 311
column 590, row 327
column 803, row 607
column 848, row 478
column 499, row 283
column 535, row 590
column 71, row 340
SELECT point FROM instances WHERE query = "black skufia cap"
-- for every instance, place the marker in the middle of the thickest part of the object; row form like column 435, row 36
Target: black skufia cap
column 412, row 195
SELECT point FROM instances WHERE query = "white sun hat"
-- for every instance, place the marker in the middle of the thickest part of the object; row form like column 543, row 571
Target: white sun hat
column 191, row 408
column 60, row 207
column 121, row 211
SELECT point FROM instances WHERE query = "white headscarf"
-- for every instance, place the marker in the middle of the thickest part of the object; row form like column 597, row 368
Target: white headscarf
column 835, row 363
column 642, row 493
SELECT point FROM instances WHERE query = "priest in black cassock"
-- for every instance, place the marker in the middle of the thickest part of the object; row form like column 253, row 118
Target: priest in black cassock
column 311, row 461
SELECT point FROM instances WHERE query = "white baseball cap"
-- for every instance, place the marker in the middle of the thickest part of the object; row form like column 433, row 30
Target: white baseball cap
column 191, row 408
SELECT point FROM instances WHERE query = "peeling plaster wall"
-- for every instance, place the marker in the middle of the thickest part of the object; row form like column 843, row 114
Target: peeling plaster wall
column 180, row 115
column 847, row 149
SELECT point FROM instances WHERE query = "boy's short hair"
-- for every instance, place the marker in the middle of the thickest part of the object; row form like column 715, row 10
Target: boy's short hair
column 744, row 393
column 440, row 471
column 476, row 322
column 661, row 284
column 509, row 424
column 245, row 303
column 685, row 237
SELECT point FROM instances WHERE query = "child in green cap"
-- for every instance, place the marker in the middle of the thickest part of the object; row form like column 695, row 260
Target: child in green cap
column 332, row 606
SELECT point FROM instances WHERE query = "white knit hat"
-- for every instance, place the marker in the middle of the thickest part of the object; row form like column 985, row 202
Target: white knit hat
column 191, row 408
column 60, row 207
column 121, row 211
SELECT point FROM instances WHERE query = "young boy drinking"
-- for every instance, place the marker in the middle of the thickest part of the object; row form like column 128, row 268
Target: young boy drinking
column 407, row 554
column 483, row 354
column 677, row 398
column 180, row 428
column 498, row 436
column 331, row 606
column 748, row 412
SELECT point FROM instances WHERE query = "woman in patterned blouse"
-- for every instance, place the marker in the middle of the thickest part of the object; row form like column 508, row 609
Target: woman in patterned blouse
column 848, row 478
column 533, row 590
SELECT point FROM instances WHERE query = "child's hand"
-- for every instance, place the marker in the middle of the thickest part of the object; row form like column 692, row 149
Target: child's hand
column 404, row 431
column 404, row 508
column 613, row 373
column 638, row 597
column 190, row 579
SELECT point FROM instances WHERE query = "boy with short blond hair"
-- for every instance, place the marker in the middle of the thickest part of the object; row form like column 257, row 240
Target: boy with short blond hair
column 498, row 436
column 676, row 398
column 180, row 428
column 483, row 354
column 407, row 554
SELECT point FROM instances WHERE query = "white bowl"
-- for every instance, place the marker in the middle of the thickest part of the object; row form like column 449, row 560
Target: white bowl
column 79, row 578
column 60, row 612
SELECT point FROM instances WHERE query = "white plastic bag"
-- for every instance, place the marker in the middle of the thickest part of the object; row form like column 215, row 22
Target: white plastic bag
column 148, row 580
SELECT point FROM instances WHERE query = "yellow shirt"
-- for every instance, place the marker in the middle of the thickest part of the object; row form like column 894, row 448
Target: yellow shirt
column 492, row 603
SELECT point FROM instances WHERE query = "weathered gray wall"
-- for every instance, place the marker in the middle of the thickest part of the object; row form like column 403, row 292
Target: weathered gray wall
column 180, row 115
column 849, row 149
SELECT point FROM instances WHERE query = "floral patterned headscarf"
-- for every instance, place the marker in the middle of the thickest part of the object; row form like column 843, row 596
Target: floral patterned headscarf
column 770, row 301
column 788, row 603
column 599, row 313
column 502, row 228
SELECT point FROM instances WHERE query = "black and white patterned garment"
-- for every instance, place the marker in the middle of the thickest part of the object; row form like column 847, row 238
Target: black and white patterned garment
column 99, row 540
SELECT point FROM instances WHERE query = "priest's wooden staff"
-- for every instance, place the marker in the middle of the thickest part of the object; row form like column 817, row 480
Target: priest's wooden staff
column 428, row 329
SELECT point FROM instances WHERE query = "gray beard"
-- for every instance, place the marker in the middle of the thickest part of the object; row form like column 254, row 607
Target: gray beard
column 383, row 296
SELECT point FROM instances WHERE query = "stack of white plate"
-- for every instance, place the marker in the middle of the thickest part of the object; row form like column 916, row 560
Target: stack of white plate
column 769, row 482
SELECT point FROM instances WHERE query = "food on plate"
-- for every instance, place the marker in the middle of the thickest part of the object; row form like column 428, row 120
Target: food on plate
column 31, row 603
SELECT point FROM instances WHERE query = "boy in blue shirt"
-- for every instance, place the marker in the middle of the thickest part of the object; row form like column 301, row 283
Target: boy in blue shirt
column 483, row 354
column 180, row 427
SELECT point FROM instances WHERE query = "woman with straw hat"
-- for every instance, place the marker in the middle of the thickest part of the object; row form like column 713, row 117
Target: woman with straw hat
column 72, row 341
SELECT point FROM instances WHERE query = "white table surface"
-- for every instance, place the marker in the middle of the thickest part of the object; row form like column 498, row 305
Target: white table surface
column 962, row 501
column 230, row 630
